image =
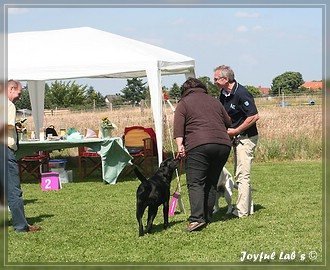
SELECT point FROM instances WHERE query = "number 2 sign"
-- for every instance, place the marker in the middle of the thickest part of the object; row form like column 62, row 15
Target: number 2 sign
column 50, row 181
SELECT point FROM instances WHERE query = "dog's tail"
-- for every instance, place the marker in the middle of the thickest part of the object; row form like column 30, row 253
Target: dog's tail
column 236, row 186
column 141, row 177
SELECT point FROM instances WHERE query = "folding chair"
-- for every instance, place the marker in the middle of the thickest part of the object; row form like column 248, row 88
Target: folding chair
column 88, row 160
column 32, row 166
column 141, row 145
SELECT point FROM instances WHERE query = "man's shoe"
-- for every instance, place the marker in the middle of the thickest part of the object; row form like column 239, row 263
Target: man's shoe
column 193, row 226
column 33, row 228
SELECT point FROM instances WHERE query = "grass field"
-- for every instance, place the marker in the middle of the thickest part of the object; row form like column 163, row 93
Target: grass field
column 88, row 222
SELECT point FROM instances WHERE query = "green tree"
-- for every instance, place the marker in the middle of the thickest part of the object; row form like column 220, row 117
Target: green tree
column 147, row 97
column 24, row 102
column 56, row 94
column 175, row 92
column 287, row 83
column 134, row 91
column 100, row 100
column 48, row 97
column 75, row 96
column 212, row 89
column 94, row 98
column 65, row 95
column 253, row 90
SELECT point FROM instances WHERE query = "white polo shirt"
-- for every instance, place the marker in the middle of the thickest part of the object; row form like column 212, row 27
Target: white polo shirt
column 12, row 135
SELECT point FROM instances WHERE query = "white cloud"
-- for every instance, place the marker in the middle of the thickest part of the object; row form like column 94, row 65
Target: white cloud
column 247, row 14
column 242, row 28
column 14, row 11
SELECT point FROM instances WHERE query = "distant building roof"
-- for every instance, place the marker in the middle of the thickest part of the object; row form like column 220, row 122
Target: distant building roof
column 313, row 85
column 109, row 98
column 263, row 90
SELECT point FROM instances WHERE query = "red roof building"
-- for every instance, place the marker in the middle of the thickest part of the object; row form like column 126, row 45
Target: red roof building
column 313, row 85
column 263, row 90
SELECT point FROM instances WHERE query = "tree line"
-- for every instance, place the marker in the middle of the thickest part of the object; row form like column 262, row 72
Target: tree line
column 75, row 96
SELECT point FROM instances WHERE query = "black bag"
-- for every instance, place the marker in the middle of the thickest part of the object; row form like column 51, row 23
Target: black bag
column 51, row 130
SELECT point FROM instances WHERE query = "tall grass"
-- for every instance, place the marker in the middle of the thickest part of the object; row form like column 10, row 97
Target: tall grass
column 285, row 133
column 290, row 133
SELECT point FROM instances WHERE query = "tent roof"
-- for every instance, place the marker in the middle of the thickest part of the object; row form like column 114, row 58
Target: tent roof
column 87, row 53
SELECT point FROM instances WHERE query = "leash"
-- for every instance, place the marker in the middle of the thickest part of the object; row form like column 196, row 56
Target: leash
column 176, row 196
column 178, row 186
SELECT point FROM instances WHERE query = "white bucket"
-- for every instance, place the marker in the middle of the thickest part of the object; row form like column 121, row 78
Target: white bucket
column 63, row 175
column 70, row 179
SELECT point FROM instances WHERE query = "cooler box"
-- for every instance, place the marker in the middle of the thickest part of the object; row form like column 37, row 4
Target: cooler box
column 58, row 165
column 63, row 175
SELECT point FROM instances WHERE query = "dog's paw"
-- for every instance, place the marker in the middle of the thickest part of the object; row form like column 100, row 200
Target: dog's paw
column 230, row 210
column 216, row 207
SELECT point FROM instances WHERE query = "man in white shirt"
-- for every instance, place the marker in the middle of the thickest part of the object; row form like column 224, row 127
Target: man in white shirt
column 15, row 199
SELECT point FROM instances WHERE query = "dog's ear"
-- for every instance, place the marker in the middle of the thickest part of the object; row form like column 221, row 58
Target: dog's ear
column 175, row 163
column 164, row 163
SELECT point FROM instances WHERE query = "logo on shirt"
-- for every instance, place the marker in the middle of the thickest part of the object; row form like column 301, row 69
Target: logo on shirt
column 232, row 106
column 246, row 103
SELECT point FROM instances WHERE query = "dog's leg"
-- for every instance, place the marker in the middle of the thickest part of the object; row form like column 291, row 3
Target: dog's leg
column 139, row 214
column 228, row 200
column 216, row 205
column 229, row 193
column 152, row 212
column 165, row 213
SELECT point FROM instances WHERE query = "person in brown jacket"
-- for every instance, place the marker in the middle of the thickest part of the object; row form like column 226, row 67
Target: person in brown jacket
column 200, row 131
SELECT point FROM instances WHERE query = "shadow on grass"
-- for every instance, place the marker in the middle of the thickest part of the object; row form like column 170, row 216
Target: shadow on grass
column 33, row 220
column 38, row 218
column 30, row 201
column 160, row 227
column 221, row 214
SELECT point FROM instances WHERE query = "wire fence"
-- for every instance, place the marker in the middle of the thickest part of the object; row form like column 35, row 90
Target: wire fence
column 289, row 100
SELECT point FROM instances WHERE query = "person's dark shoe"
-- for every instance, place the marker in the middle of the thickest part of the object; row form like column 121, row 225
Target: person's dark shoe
column 33, row 228
column 194, row 226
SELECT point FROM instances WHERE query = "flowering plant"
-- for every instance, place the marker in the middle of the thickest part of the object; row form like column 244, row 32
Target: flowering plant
column 106, row 123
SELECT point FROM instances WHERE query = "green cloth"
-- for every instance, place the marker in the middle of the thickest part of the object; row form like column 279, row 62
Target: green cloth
column 113, row 154
column 114, row 159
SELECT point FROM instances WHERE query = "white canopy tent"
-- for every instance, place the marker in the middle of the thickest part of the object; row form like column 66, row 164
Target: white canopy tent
column 85, row 52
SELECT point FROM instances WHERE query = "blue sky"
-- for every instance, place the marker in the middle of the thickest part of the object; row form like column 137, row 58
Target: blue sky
column 258, row 43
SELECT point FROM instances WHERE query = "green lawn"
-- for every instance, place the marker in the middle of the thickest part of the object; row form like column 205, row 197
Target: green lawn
column 90, row 222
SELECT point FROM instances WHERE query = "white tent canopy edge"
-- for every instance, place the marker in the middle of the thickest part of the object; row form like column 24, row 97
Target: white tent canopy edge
column 28, row 60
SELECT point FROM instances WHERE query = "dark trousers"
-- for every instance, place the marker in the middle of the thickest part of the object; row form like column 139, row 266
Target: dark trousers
column 204, row 164
column 15, row 199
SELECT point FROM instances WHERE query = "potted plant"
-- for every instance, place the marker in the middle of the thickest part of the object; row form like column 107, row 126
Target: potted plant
column 106, row 127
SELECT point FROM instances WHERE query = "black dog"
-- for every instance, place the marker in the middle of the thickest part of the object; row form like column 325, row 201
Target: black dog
column 154, row 192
